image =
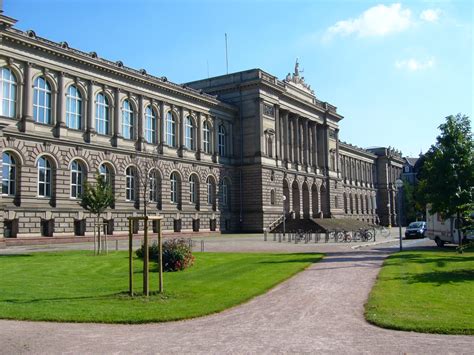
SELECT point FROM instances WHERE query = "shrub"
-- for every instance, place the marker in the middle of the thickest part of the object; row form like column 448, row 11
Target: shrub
column 177, row 254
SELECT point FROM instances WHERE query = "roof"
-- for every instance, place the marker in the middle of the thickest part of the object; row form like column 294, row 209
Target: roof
column 411, row 161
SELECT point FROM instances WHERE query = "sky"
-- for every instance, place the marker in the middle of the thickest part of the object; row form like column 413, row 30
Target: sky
column 394, row 70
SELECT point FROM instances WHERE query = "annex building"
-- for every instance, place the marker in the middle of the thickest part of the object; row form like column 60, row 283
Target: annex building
column 229, row 153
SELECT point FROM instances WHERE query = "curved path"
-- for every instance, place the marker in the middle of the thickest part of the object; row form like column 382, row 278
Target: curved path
column 319, row 310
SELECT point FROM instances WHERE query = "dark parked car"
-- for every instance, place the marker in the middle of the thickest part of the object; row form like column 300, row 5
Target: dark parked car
column 416, row 230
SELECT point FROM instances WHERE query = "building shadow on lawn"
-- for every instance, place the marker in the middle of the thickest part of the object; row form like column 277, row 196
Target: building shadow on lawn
column 14, row 255
column 439, row 278
column 36, row 300
column 297, row 258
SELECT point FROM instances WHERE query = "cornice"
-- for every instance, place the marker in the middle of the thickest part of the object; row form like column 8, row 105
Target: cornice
column 62, row 50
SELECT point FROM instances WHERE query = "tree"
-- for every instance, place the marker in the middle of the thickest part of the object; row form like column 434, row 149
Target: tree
column 409, row 204
column 448, row 171
column 97, row 198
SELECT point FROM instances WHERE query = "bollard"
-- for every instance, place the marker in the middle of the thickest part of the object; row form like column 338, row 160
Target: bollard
column 306, row 238
column 289, row 237
column 274, row 237
column 202, row 245
column 116, row 244
column 279, row 237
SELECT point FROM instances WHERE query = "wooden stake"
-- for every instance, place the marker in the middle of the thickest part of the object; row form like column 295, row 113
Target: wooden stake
column 130, row 257
column 160, row 261
column 146, row 258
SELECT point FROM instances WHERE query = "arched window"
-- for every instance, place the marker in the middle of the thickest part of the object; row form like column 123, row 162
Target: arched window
column 73, row 108
column 189, row 139
column 127, row 120
column 211, row 191
column 8, row 174
column 272, row 197
column 102, row 115
column 170, row 130
column 221, row 140
column 174, row 180
column 42, row 101
column 150, row 125
column 225, row 192
column 44, row 177
column 193, row 189
column 77, row 179
column 206, row 137
column 104, row 171
column 7, row 93
column 130, row 184
column 153, row 185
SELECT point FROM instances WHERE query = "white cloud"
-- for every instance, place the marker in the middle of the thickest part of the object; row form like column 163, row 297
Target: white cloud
column 379, row 21
column 412, row 64
column 430, row 15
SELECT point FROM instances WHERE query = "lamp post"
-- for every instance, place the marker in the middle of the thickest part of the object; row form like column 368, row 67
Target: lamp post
column 399, row 185
column 284, row 216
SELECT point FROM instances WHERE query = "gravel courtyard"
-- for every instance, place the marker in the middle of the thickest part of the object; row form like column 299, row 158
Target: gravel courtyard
column 319, row 310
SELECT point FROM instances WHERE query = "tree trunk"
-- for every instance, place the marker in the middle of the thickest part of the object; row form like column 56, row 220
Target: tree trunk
column 98, row 234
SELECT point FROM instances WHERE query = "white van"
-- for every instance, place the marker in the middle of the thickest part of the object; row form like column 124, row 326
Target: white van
column 444, row 230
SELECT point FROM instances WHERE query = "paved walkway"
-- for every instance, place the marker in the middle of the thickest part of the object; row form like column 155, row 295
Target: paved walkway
column 319, row 310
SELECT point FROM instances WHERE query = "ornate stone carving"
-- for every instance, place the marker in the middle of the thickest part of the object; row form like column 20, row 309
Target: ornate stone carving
column 268, row 110
column 298, row 80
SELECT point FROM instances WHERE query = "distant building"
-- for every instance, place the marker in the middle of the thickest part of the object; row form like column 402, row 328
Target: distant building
column 225, row 149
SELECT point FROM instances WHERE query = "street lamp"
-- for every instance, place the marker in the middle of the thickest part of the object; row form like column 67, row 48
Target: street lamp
column 399, row 185
column 284, row 216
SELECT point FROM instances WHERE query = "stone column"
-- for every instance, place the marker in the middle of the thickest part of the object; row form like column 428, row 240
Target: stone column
column 181, row 136
column 314, row 151
column 27, row 120
column 306, row 142
column 117, row 125
column 90, row 121
column 162, row 124
column 199, row 135
column 229, row 141
column 296, row 142
column 61, row 108
column 286, row 135
column 215, row 131
column 140, row 127
column 337, row 152
column 277, row 133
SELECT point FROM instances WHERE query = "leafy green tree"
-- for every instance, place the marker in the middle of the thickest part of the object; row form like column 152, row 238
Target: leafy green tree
column 447, row 178
column 409, row 204
column 97, row 198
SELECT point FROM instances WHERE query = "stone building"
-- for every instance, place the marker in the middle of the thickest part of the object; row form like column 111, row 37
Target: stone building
column 216, row 155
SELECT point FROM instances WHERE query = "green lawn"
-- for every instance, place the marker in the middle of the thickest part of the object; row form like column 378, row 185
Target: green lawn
column 425, row 291
column 79, row 287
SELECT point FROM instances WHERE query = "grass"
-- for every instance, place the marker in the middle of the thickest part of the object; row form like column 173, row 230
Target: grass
column 76, row 286
column 425, row 291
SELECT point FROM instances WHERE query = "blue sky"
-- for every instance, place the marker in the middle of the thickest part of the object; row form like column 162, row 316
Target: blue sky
column 393, row 69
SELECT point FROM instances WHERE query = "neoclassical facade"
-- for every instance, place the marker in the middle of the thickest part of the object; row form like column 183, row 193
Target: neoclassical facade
column 229, row 153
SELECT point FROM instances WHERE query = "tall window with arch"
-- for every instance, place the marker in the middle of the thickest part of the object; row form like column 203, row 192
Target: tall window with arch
column 130, row 186
column 73, row 108
column 193, row 189
column 206, row 137
column 42, row 101
column 105, row 172
column 225, row 193
column 189, row 133
column 7, row 93
column 102, row 114
column 9, row 167
column 44, row 177
column 77, row 179
column 211, row 191
column 174, row 188
column 221, row 144
column 128, row 118
column 170, row 130
column 153, row 186
column 150, row 125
